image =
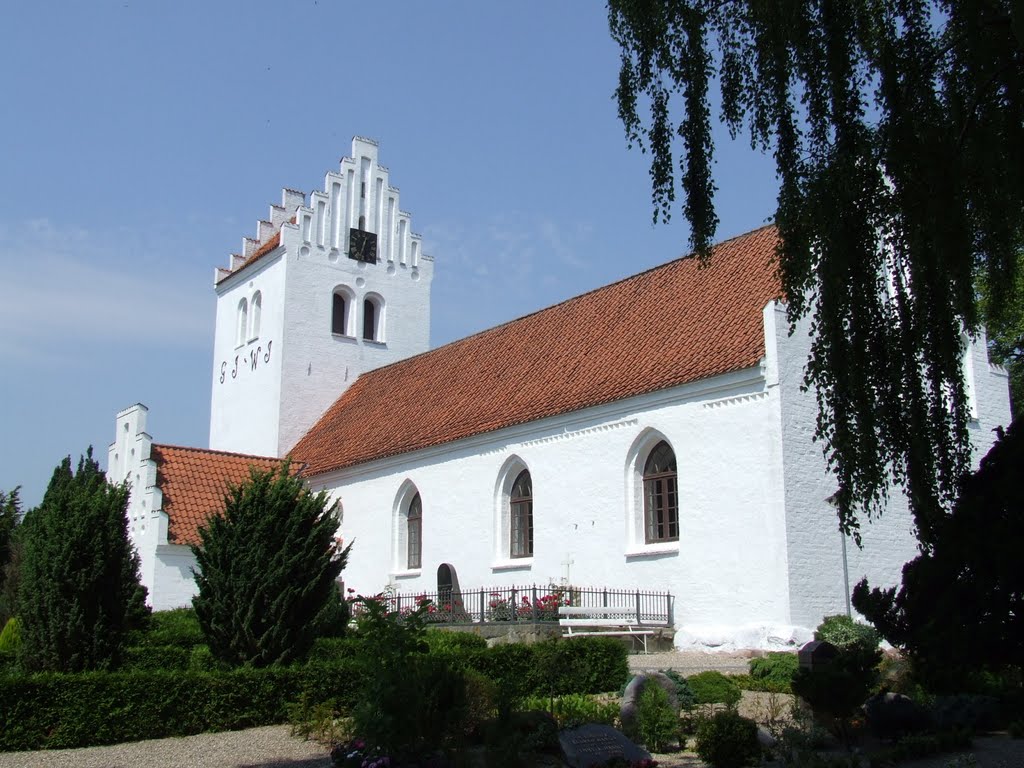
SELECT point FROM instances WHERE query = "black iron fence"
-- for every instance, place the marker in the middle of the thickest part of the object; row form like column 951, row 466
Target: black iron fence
column 533, row 603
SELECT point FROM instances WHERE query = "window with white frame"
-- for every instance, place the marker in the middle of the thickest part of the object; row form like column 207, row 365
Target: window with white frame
column 414, row 533
column 521, row 516
column 342, row 311
column 661, row 497
column 373, row 318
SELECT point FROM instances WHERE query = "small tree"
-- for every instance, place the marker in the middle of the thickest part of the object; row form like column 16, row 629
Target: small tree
column 10, row 517
column 79, row 591
column 960, row 607
column 267, row 567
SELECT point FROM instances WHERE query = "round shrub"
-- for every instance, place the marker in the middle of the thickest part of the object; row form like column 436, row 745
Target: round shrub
column 843, row 632
column 726, row 740
column 712, row 687
column 10, row 637
column 775, row 669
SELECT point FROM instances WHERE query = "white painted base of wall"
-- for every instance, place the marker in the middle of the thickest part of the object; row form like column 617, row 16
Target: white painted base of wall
column 760, row 637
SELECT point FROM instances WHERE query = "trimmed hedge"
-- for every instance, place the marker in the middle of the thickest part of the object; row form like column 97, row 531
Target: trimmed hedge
column 55, row 711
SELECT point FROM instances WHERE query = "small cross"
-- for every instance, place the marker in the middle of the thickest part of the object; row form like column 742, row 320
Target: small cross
column 568, row 562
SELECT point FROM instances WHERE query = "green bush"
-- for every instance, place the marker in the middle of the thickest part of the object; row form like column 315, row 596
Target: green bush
column 684, row 693
column 580, row 665
column 657, row 724
column 726, row 740
column 10, row 637
column 843, row 632
column 331, row 648
column 712, row 687
column 775, row 671
column 573, row 709
column 178, row 627
column 442, row 641
column 167, row 657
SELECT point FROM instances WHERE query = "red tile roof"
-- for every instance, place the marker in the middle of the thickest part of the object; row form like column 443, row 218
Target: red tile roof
column 194, row 482
column 671, row 325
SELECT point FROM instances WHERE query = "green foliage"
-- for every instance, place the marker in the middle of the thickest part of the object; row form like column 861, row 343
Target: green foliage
column 573, row 709
column 178, row 627
column 59, row 711
column 330, row 648
column 569, row 666
column 413, row 703
column 267, row 570
column 440, row 641
column 657, row 724
column 10, row 642
column 333, row 619
column 156, row 657
column 10, row 517
column 79, row 593
column 836, row 690
column 726, row 740
column 843, row 632
column 896, row 133
column 684, row 693
column 712, row 687
column 775, row 670
column 972, row 572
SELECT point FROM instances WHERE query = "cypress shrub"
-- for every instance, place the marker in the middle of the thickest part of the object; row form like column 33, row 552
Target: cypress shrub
column 79, row 593
column 267, row 565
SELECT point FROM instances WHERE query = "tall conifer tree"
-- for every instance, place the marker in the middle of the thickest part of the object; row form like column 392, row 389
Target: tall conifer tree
column 79, row 591
column 267, row 569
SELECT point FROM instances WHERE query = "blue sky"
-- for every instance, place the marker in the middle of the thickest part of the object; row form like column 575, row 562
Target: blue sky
column 142, row 141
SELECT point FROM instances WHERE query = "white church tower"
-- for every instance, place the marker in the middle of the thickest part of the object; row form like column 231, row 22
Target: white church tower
column 325, row 291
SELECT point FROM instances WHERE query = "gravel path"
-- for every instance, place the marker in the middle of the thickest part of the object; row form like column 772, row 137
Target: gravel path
column 267, row 747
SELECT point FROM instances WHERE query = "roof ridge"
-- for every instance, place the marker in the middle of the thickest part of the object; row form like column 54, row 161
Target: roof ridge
column 223, row 453
column 571, row 299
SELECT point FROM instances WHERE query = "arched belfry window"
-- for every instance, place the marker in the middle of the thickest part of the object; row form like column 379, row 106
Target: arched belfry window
column 661, row 498
column 369, row 320
column 254, row 315
column 342, row 311
column 243, row 322
column 521, row 516
column 373, row 318
column 414, row 533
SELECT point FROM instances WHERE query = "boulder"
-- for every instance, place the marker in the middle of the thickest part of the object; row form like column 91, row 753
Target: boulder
column 891, row 715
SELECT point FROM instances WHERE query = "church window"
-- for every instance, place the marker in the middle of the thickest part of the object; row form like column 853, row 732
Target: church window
column 369, row 320
column 661, row 500
column 342, row 303
column 521, row 516
column 414, row 533
column 254, row 315
column 243, row 322
column 373, row 318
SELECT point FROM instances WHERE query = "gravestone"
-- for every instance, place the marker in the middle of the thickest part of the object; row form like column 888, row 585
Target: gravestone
column 817, row 653
column 593, row 745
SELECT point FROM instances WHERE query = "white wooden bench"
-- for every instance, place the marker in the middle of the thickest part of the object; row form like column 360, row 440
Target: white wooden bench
column 579, row 621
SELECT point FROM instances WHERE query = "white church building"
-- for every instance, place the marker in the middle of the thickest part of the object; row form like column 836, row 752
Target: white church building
column 651, row 434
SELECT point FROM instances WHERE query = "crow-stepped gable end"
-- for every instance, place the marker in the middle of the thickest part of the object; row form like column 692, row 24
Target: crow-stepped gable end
column 325, row 291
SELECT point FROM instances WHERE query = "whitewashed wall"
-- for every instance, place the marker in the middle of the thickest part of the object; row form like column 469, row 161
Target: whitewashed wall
column 728, row 570
column 245, row 401
column 818, row 583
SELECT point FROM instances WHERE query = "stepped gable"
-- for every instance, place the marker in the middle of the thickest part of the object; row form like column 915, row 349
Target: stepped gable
column 194, row 481
column 671, row 325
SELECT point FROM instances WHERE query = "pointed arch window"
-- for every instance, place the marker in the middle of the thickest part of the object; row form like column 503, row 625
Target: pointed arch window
column 521, row 516
column 414, row 533
column 661, row 498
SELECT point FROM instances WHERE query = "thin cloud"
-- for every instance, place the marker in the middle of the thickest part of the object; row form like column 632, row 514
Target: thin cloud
column 61, row 287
